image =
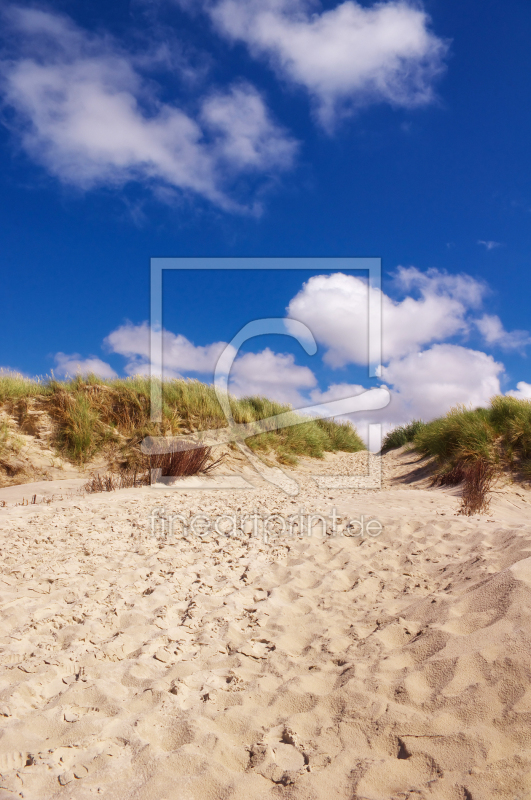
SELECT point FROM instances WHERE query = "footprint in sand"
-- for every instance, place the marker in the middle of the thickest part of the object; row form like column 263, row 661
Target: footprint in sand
column 278, row 757
column 13, row 760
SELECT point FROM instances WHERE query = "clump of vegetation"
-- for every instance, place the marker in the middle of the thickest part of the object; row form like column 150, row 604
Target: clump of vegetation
column 511, row 419
column 175, row 459
column 13, row 386
column 4, row 441
column 4, row 436
column 80, row 432
column 477, row 481
column 93, row 416
column 473, row 446
column 403, row 434
column 463, row 435
column 121, row 480
column 342, row 436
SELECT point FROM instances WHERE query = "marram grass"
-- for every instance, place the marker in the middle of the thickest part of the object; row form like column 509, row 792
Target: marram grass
column 473, row 446
column 500, row 434
column 403, row 434
column 92, row 415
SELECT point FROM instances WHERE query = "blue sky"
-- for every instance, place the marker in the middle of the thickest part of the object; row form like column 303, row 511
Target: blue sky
column 227, row 128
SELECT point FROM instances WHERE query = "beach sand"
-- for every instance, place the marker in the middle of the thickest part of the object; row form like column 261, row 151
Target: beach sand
column 345, row 667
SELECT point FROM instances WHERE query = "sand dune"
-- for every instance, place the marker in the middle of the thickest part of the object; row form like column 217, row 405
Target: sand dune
column 395, row 666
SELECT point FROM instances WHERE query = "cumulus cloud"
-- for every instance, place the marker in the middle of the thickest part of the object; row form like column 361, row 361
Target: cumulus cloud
column 180, row 355
column 491, row 328
column 337, row 391
column 71, row 365
column 272, row 375
column 83, row 110
column 426, row 384
column 345, row 57
column 522, row 391
column 425, row 374
column 335, row 308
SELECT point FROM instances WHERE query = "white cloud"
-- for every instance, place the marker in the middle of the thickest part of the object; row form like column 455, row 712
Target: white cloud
column 335, row 308
column 491, row 328
column 489, row 245
column 85, row 113
column 426, row 384
column 180, row 356
column 272, row 375
column 360, row 419
column 345, row 57
column 522, row 391
column 72, row 365
column 246, row 137
column 337, row 391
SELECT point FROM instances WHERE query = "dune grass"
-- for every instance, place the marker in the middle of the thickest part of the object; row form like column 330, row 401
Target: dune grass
column 92, row 415
column 462, row 435
column 499, row 434
column 14, row 386
column 80, row 433
column 473, row 446
column 403, row 434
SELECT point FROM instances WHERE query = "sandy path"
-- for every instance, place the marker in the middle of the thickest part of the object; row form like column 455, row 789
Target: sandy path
column 230, row 667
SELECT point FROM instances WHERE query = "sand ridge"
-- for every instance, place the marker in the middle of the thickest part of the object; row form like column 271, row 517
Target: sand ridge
column 301, row 667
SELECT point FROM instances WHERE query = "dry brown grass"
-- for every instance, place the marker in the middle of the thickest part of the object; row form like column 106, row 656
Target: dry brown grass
column 121, row 480
column 178, row 459
column 476, row 476
column 477, row 481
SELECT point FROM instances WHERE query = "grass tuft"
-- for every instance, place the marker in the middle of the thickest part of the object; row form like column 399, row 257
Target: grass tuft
column 460, row 436
column 14, row 386
column 403, row 434
column 472, row 446
column 342, row 436
column 5, row 439
column 79, row 433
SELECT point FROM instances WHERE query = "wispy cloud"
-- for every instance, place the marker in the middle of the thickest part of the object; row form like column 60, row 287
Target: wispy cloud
column 491, row 328
column 345, row 57
column 489, row 245
column 84, row 111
